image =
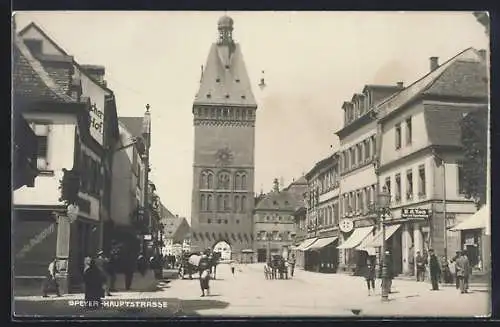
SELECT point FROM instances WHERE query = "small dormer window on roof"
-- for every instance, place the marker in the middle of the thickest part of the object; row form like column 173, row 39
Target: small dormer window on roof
column 237, row 80
column 243, row 97
column 275, row 203
column 227, row 96
column 217, row 80
column 209, row 95
column 226, row 66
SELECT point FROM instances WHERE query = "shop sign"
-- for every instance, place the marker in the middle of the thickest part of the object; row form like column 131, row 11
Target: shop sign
column 148, row 237
column 469, row 240
column 415, row 213
column 346, row 225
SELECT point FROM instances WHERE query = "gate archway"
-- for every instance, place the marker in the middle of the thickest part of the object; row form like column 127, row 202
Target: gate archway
column 224, row 248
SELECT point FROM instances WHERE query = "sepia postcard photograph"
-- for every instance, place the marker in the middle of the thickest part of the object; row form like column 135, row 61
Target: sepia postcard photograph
column 250, row 164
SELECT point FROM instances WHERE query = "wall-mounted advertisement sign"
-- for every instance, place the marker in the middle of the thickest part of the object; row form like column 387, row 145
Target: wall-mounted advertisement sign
column 97, row 96
column 415, row 213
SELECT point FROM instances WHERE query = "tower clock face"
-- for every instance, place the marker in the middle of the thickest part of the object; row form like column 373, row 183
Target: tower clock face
column 224, row 156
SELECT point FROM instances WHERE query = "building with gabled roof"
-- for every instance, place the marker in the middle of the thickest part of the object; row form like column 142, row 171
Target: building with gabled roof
column 74, row 118
column 414, row 131
column 274, row 227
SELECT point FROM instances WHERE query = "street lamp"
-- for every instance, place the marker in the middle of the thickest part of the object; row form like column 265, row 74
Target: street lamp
column 383, row 202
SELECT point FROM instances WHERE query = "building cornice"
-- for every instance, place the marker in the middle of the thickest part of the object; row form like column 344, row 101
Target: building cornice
column 359, row 122
column 223, row 123
column 421, row 152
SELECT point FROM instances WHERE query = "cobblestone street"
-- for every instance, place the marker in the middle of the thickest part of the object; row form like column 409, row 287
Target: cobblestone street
column 307, row 294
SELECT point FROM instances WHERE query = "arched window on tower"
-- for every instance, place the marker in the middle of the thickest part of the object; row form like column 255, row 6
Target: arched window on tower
column 237, row 114
column 209, row 203
column 203, row 180
column 223, row 181
column 220, row 205
column 236, row 203
column 237, row 180
column 226, row 202
column 202, row 202
column 243, row 204
column 243, row 182
column 243, row 114
column 206, row 112
column 210, row 181
column 214, row 113
column 330, row 216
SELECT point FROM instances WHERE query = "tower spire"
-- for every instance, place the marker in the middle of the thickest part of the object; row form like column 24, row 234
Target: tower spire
column 225, row 27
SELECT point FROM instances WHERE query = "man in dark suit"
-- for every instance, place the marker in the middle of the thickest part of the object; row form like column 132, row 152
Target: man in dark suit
column 435, row 270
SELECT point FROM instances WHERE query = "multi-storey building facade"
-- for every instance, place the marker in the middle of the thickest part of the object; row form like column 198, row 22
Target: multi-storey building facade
column 224, row 113
column 421, row 154
column 274, row 226
column 323, row 216
column 358, row 183
column 74, row 139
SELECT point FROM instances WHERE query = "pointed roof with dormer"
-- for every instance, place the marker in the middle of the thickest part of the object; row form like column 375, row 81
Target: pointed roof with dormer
column 225, row 80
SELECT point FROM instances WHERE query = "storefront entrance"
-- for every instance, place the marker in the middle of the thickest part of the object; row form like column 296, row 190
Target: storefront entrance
column 261, row 255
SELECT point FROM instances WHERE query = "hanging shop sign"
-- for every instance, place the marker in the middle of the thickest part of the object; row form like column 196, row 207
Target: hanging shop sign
column 415, row 213
column 346, row 225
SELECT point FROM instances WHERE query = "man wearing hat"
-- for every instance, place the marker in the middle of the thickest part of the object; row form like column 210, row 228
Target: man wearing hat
column 435, row 270
column 102, row 263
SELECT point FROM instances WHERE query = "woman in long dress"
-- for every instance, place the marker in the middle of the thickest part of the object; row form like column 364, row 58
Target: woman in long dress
column 94, row 280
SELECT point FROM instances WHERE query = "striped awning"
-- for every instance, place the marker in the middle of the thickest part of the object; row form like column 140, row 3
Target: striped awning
column 322, row 242
column 478, row 220
column 306, row 243
column 370, row 243
column 356, row 237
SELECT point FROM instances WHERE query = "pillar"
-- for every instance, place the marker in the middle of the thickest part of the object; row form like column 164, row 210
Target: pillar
column 418, row 238
column 62, row 252
column 406, row 244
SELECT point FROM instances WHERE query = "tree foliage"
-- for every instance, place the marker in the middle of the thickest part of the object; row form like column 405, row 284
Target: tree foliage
column 474, row 129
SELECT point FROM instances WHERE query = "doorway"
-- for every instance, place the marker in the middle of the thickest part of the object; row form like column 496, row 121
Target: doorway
column 224, row 249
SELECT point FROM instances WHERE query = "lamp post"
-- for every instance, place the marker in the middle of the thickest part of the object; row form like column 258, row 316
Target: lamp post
column 440, row 162
column 383, row 202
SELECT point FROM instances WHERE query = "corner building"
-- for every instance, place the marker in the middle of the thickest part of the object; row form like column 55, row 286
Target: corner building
column 224, row 112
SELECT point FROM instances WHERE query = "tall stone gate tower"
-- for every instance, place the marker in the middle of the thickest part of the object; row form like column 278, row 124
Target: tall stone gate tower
column 224, row 112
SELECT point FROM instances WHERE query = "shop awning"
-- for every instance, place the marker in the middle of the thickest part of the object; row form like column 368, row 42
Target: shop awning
column 478, row 220
column 356, row 237
column 322, row 242
column 376, row 241
column 306, row 243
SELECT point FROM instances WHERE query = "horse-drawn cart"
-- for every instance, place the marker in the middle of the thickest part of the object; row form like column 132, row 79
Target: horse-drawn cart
column 276, row 268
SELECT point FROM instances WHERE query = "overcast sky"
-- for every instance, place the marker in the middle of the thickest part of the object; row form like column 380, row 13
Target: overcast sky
column 313, row 61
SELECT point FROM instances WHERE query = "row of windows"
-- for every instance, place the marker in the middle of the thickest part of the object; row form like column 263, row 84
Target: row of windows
column 224, row 203
column 357, row 108
column 399, row 133
column 222, row 236
column 220, row 221
column 359, row 201
column 225, row 113
column 276, row 218
column 223, row 180
column 273, row 236
column 358, row 154
column 91, row 178
column 327, row 180
column 409, row 181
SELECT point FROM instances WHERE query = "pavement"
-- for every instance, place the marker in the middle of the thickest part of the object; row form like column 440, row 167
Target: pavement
column 248, row 293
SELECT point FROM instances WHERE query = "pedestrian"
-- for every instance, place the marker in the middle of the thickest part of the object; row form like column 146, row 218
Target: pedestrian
column 434, row 269
column 232, row 267
column 462, row 265
column 390, row 270
column 50, row 282
column 102, row 262
column 421, row 261
column 204, row 270
column 291, row 263
column 458, row 254
column 112, row 268
column 370, row 276
column 142, row 264
column 94, row 281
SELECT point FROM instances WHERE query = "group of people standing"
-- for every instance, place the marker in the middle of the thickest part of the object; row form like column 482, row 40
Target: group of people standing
column 458, row 269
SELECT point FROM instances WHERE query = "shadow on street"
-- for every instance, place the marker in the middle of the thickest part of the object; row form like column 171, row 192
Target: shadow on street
column 61, row 309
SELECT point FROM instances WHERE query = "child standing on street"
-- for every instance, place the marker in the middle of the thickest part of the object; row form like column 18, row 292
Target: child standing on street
column 232, row 267
column 370, row 276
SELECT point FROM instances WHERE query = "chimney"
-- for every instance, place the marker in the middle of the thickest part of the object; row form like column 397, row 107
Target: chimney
column 400, row 85
column 97, row 73
column 434, row 63
column 482, row 53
